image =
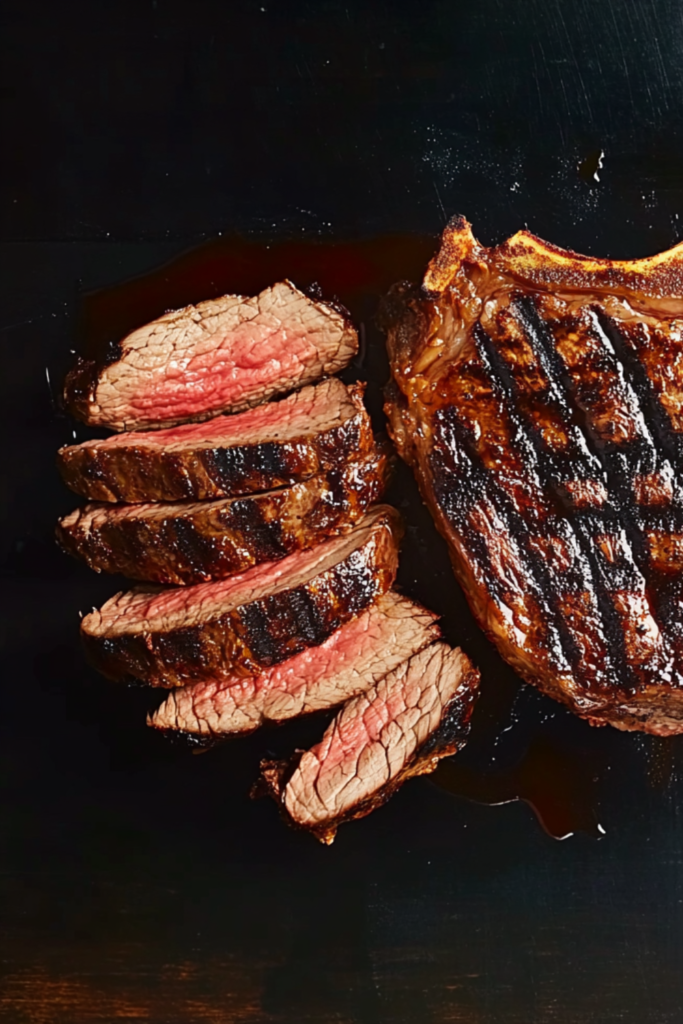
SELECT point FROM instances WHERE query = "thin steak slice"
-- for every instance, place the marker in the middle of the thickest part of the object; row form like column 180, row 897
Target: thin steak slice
column 400, row 727
column 196, row 542
column 538, row 395
column 222, row 355
column 353, row 658
column 274, row 445
column 245, row 624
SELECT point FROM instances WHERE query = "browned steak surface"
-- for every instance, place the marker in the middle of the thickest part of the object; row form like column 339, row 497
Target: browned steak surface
column 352, row 659
column 398, row 728
column 538, row 396
column 196, row 542
column 222, row 355
column 249, row 622
column 274, row 445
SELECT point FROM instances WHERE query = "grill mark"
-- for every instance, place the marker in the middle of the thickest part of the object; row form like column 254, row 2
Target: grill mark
column 668, row 443
column 620, row 463
column 459, row 490
column 586, row 576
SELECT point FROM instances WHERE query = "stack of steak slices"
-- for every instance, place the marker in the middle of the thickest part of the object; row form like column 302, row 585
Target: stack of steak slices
column 267, row 565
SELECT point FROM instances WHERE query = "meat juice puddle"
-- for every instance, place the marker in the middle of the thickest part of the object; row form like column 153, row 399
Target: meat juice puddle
column 556, row 784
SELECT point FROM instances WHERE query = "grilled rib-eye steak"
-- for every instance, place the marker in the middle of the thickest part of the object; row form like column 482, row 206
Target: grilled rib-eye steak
column 274, row 445
column 242, row 625
column 398, row 728
column 352, row 659
column 225, row 354
column 196, row 542
column 538, row 396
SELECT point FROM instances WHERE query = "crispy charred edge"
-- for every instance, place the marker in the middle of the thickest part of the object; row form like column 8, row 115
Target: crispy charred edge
column 115, row 474
column 449, row 737
column 404, row 317
column 539, row 264
column 458, row 245
column 79, row 388
column 318, row 607
column 140, row 554
column 213, row 738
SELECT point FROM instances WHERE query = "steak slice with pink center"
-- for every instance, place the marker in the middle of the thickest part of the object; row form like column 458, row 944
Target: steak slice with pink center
column 274, row 445
column 352, row 659
column 224, row 354
column 196, row 542
column 398, row 728
column 245, row 624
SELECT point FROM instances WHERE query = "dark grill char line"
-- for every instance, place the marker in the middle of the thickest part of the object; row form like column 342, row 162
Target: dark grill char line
column 191, row 468
column 187, row 543
column 553, row 382
column 350, row 661
column 254, row 629
column 603, row 577
column 621, row 463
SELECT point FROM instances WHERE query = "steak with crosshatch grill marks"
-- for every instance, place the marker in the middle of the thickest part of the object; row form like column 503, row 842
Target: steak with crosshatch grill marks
column 351, row 660
column 538, row 395
column 398, row 728
column 196, row 542
column 249, row 622
column 277, row 444
column 222, row 355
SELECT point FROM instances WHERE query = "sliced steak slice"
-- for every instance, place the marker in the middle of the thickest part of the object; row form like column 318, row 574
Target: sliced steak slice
column 398, row 728
column 353, row 658
column 245, row 624
column 223, row 355
column 537, row 395
column 196, row 542
column 272, row 446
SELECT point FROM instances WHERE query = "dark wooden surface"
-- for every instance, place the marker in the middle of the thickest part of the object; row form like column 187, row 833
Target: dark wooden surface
column 139, row 882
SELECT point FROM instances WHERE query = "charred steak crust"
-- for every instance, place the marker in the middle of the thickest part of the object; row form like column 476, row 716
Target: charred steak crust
column 447, row 738
column 192, row 467
column 353, row 658
column 224, row 354
column 196, row 542
column 246, row 637
column 537, row 395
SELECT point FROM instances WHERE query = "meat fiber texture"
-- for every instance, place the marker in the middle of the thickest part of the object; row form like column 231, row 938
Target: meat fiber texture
column 196, row 542
column 538, row 395
column 224, row 354
column 352, row 659
column 249, row 622
column 275, row 445
column 399, row 727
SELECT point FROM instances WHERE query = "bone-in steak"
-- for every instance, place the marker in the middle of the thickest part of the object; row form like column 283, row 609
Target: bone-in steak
column 398, row 728
column 274, row 445
column 242, row 625
column 195, row 542
column 225, row 354
column 538, row 396
column 352, row 659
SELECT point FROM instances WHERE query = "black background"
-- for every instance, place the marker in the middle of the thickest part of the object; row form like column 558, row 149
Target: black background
column 139, row 882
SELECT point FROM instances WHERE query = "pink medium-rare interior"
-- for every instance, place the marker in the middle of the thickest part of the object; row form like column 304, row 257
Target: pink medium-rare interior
column 220, row 354
column 351, row 659
column 374, row 736
column 156, row 609
column 314, row 409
